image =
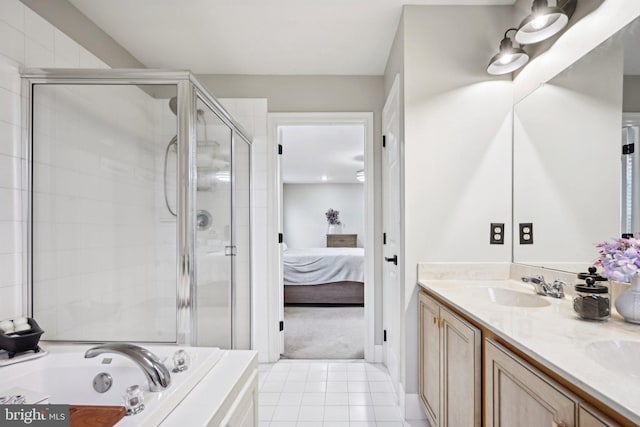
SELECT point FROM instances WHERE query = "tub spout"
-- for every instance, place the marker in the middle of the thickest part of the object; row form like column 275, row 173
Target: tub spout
column 157, row 374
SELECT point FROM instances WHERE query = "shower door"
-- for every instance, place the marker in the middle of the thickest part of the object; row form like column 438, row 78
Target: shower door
column 138, row 225
column 213, row 229
column 103, row 246
column 223, row 227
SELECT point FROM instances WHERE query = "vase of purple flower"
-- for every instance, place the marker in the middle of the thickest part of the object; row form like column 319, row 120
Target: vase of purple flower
column 628, row 303
column 620, row 259
column 333, row 219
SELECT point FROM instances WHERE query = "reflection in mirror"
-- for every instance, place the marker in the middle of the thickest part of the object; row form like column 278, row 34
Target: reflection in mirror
column 571, row 180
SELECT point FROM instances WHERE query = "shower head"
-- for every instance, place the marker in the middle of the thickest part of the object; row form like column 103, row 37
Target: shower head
column 173, row 106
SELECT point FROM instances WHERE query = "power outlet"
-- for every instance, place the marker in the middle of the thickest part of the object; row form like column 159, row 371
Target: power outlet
column 496, row 235
column 526, row 233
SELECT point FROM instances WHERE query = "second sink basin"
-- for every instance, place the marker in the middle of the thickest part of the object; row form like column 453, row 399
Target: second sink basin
column 509, row 297
column 617, row 355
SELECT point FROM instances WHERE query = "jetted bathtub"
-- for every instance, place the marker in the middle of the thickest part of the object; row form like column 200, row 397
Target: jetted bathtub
column 66, row 377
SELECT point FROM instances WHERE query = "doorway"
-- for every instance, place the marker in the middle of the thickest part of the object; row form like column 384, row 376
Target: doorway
column 309, row 304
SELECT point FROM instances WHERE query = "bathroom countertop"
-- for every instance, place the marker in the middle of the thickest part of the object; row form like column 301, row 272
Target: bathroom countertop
column 555, row 337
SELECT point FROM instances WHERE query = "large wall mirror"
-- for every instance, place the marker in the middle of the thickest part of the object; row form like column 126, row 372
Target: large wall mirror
column 571, row 180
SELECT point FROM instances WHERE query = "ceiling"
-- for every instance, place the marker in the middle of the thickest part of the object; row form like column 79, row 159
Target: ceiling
column 333, row 151
column 293, row 37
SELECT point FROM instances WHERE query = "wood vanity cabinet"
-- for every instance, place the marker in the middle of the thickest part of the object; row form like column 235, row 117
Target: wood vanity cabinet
column 450, row 367
column 516, row 395
column 589, row 417
column 515, row 391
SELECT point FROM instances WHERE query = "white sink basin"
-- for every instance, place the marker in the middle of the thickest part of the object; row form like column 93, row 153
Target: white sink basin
column 509, row 297
column 618, row 356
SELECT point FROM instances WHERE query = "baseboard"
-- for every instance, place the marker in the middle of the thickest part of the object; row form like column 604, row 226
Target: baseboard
column 413, row 408
column 377, row 353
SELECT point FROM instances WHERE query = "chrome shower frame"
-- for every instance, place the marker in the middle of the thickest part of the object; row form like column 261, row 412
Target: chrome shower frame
column 189, row 90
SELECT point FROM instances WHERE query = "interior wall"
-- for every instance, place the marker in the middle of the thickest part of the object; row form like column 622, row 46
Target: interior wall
column 26, row 40
column 631, row 94
column 304, row 207
column 457, row 146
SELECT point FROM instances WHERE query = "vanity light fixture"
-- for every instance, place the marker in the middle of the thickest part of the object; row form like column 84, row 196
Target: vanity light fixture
column 360, row 175
column 544, row 21
column 509, row 58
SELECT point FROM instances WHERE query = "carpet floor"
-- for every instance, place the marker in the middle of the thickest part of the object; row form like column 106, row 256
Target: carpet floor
column 324, row 332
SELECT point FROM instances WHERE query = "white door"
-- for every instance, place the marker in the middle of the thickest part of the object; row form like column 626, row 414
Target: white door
column 392, row 265
column 280, row 246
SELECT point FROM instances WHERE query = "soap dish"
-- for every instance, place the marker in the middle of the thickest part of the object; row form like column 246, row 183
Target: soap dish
column 19, row 342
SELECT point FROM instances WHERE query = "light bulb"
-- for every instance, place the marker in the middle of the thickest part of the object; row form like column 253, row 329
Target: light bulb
column 505, row 59
column 540, row 22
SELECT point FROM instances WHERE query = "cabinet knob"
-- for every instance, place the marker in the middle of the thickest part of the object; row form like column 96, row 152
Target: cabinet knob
column 555, row 423
column 435, row 320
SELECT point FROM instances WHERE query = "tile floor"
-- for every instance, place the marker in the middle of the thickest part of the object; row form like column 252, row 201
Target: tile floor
column 303, row 393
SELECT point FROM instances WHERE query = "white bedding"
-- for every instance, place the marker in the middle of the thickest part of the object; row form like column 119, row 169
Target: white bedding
column 315, row 266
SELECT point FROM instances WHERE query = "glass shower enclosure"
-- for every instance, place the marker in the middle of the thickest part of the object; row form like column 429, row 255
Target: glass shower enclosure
column 138, row 209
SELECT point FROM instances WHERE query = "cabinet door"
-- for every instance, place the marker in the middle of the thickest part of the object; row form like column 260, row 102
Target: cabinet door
column 461, row 372
column 516, row 395
column 429, row 363
column 588, row 417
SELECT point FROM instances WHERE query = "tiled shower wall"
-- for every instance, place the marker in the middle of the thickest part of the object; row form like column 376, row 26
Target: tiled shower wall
column 26, row 40
column 98, row 165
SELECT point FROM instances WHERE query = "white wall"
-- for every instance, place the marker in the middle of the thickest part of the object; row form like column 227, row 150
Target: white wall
column 567, row 161
column 304, row 206
column 457, row 170
column 457, row 136
column 26, row 40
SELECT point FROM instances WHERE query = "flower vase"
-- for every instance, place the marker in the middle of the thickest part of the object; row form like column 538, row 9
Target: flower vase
column 335, row 229
column 628, row 303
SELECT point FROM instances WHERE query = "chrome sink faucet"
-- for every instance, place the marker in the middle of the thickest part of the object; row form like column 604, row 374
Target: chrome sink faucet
column 543, row 288
column 157, row 374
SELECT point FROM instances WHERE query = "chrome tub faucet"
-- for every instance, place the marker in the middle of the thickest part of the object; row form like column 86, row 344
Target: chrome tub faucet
column 157, row 374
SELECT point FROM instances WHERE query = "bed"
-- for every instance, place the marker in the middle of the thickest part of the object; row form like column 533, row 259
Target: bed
column 324, row 276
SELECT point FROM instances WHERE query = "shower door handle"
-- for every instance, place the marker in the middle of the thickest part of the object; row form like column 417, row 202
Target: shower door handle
column 229, row 251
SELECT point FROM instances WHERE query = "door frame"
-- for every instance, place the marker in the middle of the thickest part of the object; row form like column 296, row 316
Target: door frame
column 274, row 220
